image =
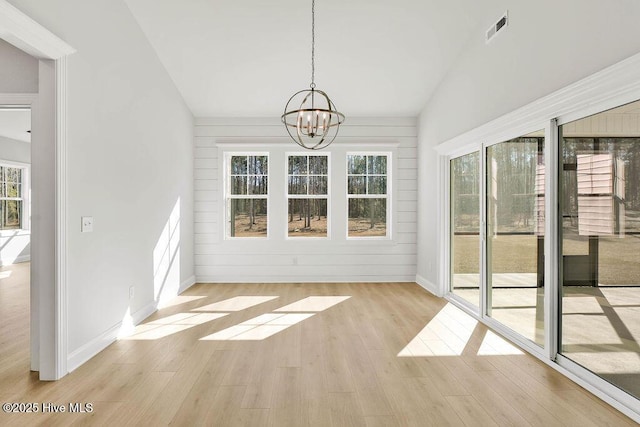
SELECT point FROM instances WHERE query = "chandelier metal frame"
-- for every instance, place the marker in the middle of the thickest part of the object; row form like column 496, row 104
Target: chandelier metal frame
column 315, row 123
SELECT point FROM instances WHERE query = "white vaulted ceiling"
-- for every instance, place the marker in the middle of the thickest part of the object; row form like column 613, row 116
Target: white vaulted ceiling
column 240, row 58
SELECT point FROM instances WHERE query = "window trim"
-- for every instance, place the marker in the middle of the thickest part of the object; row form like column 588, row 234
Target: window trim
column 288, row 196
column 388, row 196
column 25, row 221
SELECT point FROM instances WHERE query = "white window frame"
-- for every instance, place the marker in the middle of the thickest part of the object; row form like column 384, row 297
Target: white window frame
column 228, row 196
column 387, row 196
column 25, row 220
column 327, row 196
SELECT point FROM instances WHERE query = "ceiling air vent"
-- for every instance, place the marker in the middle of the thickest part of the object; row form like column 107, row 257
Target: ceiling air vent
column 498, row 26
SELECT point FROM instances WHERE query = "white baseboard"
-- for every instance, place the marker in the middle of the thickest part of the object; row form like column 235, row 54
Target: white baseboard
column 304, row 279
column 187, row 284
column 144, row 312
column 23, row 258
column 429, row 286
column 96, row 345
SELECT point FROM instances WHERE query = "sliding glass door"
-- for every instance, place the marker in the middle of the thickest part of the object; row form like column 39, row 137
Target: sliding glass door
column 544, row 238
column 465, row 228
column 600, row 244
column 515, row 178
column 512, row 252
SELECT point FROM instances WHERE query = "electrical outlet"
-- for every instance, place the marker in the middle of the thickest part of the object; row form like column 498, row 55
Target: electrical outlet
column 87, row 224
column 132, row 291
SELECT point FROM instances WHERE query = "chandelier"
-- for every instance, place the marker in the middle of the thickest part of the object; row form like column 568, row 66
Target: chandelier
column 315, row 122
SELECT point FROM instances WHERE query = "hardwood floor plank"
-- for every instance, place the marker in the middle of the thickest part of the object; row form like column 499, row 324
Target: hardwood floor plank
column 436, row 375
column 595, row 409
column 225, row 407
column 287, row 404
column 336, row 368
column 470, row 411
column 174, row 395
column 501, row 410
column 141, row 399
column 196, row 404
column 412, row 408
column 374, row 401
column 345, row 410
column 526, row 405
column 262, row 380
column 540, row 393
column 241, row 368
column 382, row 421
column 252, row 417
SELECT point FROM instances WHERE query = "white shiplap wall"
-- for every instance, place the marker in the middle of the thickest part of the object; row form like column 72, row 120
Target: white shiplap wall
column 278, row 259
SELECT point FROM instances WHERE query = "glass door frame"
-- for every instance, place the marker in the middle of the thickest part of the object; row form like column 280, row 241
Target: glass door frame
column 551, row 242
column 549, row 349
column 578, row 373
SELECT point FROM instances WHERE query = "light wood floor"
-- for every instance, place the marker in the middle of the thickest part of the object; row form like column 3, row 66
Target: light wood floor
column 338, row 367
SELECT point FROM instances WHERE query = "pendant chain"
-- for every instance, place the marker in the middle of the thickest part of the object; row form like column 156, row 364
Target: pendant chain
column 313, row 43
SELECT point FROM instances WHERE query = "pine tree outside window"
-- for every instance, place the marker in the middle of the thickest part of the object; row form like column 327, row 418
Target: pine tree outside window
column 367, row 195
column 247, row 195
column 307, row 195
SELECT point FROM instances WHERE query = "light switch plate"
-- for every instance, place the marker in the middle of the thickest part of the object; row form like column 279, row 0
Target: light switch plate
column 87, row 224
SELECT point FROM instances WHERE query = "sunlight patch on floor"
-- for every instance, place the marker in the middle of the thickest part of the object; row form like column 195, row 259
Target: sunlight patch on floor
column 169, row 325
column 314, row 303
column 180, row 299
column 269, row 324
column 259, row 328
column 236, row 303
column 5, row 274
column 495, row 345
column 448, row 334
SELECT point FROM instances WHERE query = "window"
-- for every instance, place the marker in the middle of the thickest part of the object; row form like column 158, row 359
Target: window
column 367, row 194
column 307, row 195
column 12, row 203
column 247, row 193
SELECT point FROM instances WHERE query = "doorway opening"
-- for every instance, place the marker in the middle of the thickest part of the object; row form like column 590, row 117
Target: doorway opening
column 15, row 241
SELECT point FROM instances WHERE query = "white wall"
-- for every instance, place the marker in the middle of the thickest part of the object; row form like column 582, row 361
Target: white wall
column 18, row 70
column 546, row 46
column 15, row 151
column 278, row 259
column 130, row 166
column 14, row 244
